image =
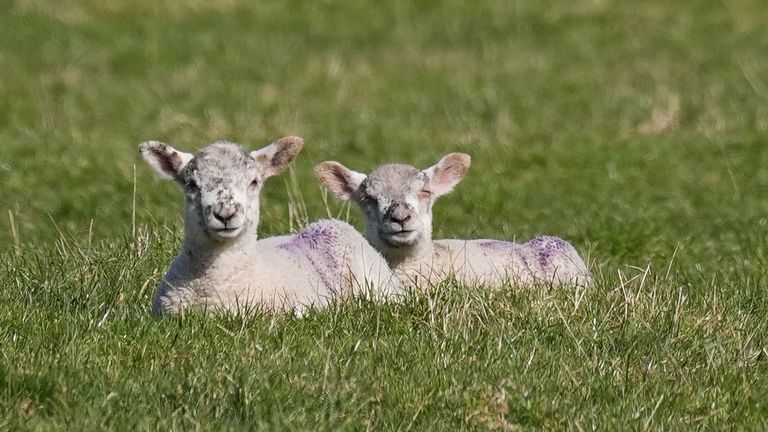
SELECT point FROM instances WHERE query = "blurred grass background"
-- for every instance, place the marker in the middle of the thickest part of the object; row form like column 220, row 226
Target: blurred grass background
column 635, row 129
column 628, row 125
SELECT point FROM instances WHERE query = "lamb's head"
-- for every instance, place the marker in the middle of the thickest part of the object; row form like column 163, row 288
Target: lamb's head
column 396, row 199
column 222, row 183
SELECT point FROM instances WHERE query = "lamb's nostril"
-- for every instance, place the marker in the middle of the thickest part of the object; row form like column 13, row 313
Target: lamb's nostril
column 222, row 218
column 399, row 218
column 399, row 214
column 225, row 213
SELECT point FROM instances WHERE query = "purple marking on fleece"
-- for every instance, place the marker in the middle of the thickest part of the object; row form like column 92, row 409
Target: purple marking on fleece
column 495, row 244
column 547, row 247
column 524, row 260
column 317, row 244
column 513, row 248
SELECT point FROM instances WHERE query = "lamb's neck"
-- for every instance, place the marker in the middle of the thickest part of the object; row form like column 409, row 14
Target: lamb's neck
column 398, row 257
column 204, row 258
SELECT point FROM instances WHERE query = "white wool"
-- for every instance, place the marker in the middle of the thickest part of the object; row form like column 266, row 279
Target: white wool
column 222, row 265
column 271, row 274
column 474, row 262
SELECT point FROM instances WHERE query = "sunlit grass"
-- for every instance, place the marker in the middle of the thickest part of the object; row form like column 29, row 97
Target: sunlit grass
column 637, row 130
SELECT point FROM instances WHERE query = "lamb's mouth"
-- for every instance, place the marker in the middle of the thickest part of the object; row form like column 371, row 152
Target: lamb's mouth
column 399, row 238
column 225, row 233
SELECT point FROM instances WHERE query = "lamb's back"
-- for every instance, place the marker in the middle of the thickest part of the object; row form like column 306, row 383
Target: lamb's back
column 544, row 259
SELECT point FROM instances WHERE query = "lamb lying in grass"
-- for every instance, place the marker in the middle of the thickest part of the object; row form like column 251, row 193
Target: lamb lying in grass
column 397, row 203
column 221, row 263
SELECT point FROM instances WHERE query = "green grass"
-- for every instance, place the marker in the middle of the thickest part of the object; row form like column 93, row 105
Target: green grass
column 637, row 130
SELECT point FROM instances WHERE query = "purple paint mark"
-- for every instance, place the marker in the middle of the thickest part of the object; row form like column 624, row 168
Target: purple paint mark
column 494, row 244
column 546, row 247
column 514, row 249
column 317, row 244
column 524, row 260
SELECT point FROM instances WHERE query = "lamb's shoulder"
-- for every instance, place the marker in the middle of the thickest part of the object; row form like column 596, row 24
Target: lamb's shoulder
column 181, row 287
column 171, row 297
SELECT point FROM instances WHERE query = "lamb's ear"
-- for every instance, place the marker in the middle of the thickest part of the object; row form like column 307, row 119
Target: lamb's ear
column 448, row 172
column 164, row 159
column 278, row 155
column 340, row 180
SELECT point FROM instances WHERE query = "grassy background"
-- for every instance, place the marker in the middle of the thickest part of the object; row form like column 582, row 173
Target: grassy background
column 637, row 130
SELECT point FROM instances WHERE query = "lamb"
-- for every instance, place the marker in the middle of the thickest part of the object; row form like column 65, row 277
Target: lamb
column 397, row 202
column 222, row 265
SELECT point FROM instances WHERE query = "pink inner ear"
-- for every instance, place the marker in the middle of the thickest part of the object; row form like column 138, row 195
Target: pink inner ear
column 168, row 161
column 283, row 157
column 335, row 179
column 340, row 183
column 447, row 175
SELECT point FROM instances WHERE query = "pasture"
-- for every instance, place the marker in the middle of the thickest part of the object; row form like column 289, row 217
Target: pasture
column 636, row 130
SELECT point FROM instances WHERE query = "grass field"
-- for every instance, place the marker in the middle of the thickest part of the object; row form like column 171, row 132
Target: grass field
column 637, row 130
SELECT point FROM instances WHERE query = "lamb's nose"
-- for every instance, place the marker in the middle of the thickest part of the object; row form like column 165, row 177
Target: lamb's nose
column 225, row 213
column 399, row 214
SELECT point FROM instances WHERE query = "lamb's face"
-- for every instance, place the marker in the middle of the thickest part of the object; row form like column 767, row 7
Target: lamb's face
column 396, row 199
column 397, row 203
column 222, row 183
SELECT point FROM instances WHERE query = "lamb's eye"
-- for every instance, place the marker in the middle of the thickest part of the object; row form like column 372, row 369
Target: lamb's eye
column 255, row 182
column 191, row 185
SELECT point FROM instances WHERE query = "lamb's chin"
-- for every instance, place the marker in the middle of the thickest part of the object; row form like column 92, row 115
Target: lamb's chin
column 224, row 234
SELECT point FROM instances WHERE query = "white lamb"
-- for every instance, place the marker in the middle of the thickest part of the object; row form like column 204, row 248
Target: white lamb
column 397, row 203
column 222, row 265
